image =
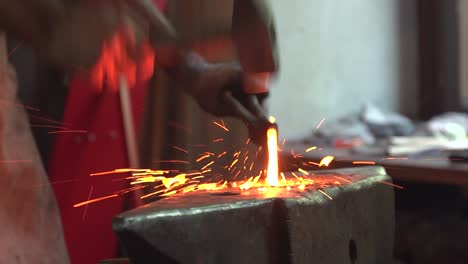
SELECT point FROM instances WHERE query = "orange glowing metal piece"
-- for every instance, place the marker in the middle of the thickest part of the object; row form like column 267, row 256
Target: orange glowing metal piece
column 272, row 142
column 95, row 200
column 326, row 161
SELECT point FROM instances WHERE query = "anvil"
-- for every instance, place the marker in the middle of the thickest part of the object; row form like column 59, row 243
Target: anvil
column 354, row 225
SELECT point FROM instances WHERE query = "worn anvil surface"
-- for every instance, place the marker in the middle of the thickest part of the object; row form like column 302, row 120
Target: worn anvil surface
column 357, row 226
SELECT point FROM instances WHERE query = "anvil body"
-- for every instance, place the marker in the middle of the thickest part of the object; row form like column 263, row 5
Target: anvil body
column 357, row 226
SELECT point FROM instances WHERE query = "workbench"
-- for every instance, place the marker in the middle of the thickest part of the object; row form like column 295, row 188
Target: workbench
column 424, row 170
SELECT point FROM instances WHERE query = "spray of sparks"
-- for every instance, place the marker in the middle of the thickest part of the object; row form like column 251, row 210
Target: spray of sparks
column 224, row 171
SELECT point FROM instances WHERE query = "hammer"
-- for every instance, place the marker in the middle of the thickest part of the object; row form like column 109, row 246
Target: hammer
column 254, row 36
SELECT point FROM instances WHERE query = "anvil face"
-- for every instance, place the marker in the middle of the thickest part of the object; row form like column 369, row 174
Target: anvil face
column 268, row 227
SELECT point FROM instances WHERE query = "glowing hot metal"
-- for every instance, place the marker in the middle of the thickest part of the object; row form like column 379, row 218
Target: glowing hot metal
column 272, row 178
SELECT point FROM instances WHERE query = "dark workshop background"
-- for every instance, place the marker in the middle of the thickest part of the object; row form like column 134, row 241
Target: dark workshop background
column 400, row 55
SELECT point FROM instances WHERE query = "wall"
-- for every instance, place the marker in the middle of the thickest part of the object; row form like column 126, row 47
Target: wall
column 464, row 50
column 336, row 55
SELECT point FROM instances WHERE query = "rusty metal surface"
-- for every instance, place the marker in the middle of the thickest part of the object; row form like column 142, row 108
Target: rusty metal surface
column 252, row 227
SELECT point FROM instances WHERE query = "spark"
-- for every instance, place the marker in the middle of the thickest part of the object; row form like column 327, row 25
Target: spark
column 169, row 193
column 189, row 188
column 301, row 187
column 272, row 171
column 86, row 207
column 303, row 171
column 221, row 126
column 237, row 174
column 284, row 141
column 251, row 166
column 313, row 163
column 152, row 194
column 68, row 131
column 324, row 193
column 180, row 149
column 46, row 119
column 222, row 154
column 207, row 165
column 326, row 161
column 311, row 148
column 127, row 170
column 203, row 157
column 321, row 123
column 218, row 140
column 395, row 158
column 172, row 161
column 363, row 162
column 49, row 126
column 95, row 200
column 233, row 163
column 392, row 184
column 248, row 141
column 283, row 177
column 343, row 179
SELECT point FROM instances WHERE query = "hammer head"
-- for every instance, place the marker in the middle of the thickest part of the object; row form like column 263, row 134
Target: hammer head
column 253, row 32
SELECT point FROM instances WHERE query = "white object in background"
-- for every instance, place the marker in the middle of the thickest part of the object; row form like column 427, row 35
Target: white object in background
column 410, row 145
